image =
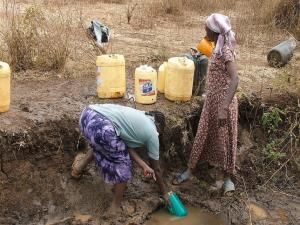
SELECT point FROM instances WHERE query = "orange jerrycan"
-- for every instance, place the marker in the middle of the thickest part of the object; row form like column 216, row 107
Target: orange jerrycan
column 111, row 78
column 4, row 87
column 205, row 47
column 179, row 79
column 145, row 85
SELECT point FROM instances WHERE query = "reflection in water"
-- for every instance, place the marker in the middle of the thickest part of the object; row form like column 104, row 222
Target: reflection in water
column 195, row 217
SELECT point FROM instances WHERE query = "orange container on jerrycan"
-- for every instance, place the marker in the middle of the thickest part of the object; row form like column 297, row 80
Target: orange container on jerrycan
column 111, row 78
column 206, row 47
column 4, row 87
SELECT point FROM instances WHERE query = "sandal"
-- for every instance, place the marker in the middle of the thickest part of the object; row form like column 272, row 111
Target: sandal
column 181, row 178
column 216, row 186
column 75, row 173
column 228, row 187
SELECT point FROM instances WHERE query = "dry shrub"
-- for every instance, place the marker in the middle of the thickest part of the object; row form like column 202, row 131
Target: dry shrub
column 110, row 1
column 69, row 2
column 162, row 7
column 37, row 40
column 174, row 7
column 254, row 21
column 148, row 10
column 209, row 6
column 287, row 14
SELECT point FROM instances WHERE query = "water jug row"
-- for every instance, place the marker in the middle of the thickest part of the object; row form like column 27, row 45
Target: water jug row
column 174, row 78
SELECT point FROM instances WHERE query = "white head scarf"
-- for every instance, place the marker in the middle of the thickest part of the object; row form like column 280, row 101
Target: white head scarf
column 220, row 24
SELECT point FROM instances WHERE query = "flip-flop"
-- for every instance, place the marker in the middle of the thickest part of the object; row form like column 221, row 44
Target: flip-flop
column 216, row 186
column 228, row 187
column 75, row 173
column 181, row 178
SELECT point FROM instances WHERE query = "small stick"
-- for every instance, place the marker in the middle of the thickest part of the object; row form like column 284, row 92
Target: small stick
column 277, row 171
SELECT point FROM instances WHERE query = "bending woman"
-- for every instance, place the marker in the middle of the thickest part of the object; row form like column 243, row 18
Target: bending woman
column 216, row 138
column 115, row 132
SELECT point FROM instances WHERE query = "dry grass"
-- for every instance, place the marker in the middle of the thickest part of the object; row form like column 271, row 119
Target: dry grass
column 41, row 39
column 72, row 2
column 36, row 40
column 205, row 7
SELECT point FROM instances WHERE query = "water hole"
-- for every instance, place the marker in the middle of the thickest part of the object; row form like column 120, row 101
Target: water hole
column 196, row 216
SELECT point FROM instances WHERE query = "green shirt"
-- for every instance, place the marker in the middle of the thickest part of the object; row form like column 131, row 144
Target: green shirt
column 134, row 127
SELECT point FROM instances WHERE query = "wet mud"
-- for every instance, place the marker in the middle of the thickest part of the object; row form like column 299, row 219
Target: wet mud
column 195, row 217
column 38, row 148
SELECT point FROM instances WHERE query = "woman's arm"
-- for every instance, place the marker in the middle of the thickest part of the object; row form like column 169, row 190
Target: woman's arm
column 135, row 156
column 159, row 180
column 156, row 172
column 232, row 71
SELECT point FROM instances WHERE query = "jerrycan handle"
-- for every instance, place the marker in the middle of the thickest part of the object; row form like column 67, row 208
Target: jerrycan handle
column 182, row 60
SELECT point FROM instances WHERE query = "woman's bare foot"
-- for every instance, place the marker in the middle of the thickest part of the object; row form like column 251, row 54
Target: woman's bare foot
column 114, row 209
column 76, row 172
column 80, row 163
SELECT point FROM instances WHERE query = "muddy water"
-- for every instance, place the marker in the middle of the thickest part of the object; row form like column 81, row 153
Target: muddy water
column 196, row 216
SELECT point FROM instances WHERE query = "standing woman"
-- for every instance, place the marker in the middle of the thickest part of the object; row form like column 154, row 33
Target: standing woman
column 216, row 138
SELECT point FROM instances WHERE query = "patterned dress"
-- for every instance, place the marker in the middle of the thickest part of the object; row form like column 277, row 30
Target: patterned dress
column 110, row 151
column 214, row 144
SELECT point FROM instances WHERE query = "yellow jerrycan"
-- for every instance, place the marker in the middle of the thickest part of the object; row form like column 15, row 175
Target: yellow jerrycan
column 111, row 78
column 145, row 85
column 4, row 87
column 162, row 70
column 179, row 79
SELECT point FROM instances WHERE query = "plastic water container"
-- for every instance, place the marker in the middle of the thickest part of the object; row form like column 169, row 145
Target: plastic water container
column 206, row 47
column 4, row 87
column 177, row 208
column 179, row 79
column 145, row 85
column 111, row 78
column 162, row 70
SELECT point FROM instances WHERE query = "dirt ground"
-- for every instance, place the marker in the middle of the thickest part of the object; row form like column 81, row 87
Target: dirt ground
column 39, row 136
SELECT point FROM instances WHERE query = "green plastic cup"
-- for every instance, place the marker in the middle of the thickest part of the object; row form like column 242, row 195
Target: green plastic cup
column 177, row 208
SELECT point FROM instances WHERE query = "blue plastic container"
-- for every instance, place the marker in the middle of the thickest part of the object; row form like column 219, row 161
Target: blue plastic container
column 177, row 208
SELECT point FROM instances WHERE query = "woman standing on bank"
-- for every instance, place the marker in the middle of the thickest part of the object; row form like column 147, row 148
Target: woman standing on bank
column 216, row 138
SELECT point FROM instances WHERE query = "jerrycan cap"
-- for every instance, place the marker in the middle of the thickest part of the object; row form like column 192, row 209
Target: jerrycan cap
column 146, row 68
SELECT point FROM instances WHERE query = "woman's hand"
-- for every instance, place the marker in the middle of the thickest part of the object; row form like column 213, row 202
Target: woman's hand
column 222, row 116
column 167, row 199
column 148, row 172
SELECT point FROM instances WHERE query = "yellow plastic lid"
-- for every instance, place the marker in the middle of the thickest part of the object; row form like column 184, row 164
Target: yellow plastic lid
column 110, row 60
column 4, row 69
column 182, row 63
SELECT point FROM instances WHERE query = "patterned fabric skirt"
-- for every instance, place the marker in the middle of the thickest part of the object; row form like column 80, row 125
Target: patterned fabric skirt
column 214, row 144
column 110, row 152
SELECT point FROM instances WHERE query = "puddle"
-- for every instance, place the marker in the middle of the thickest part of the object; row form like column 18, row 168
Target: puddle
column 258, row 212
column 195, row 217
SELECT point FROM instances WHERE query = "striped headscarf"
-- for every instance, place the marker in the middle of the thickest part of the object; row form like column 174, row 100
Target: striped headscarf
column 219, row 23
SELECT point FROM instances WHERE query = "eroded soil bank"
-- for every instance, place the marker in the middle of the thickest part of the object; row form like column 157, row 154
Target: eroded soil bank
column 39, row 138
